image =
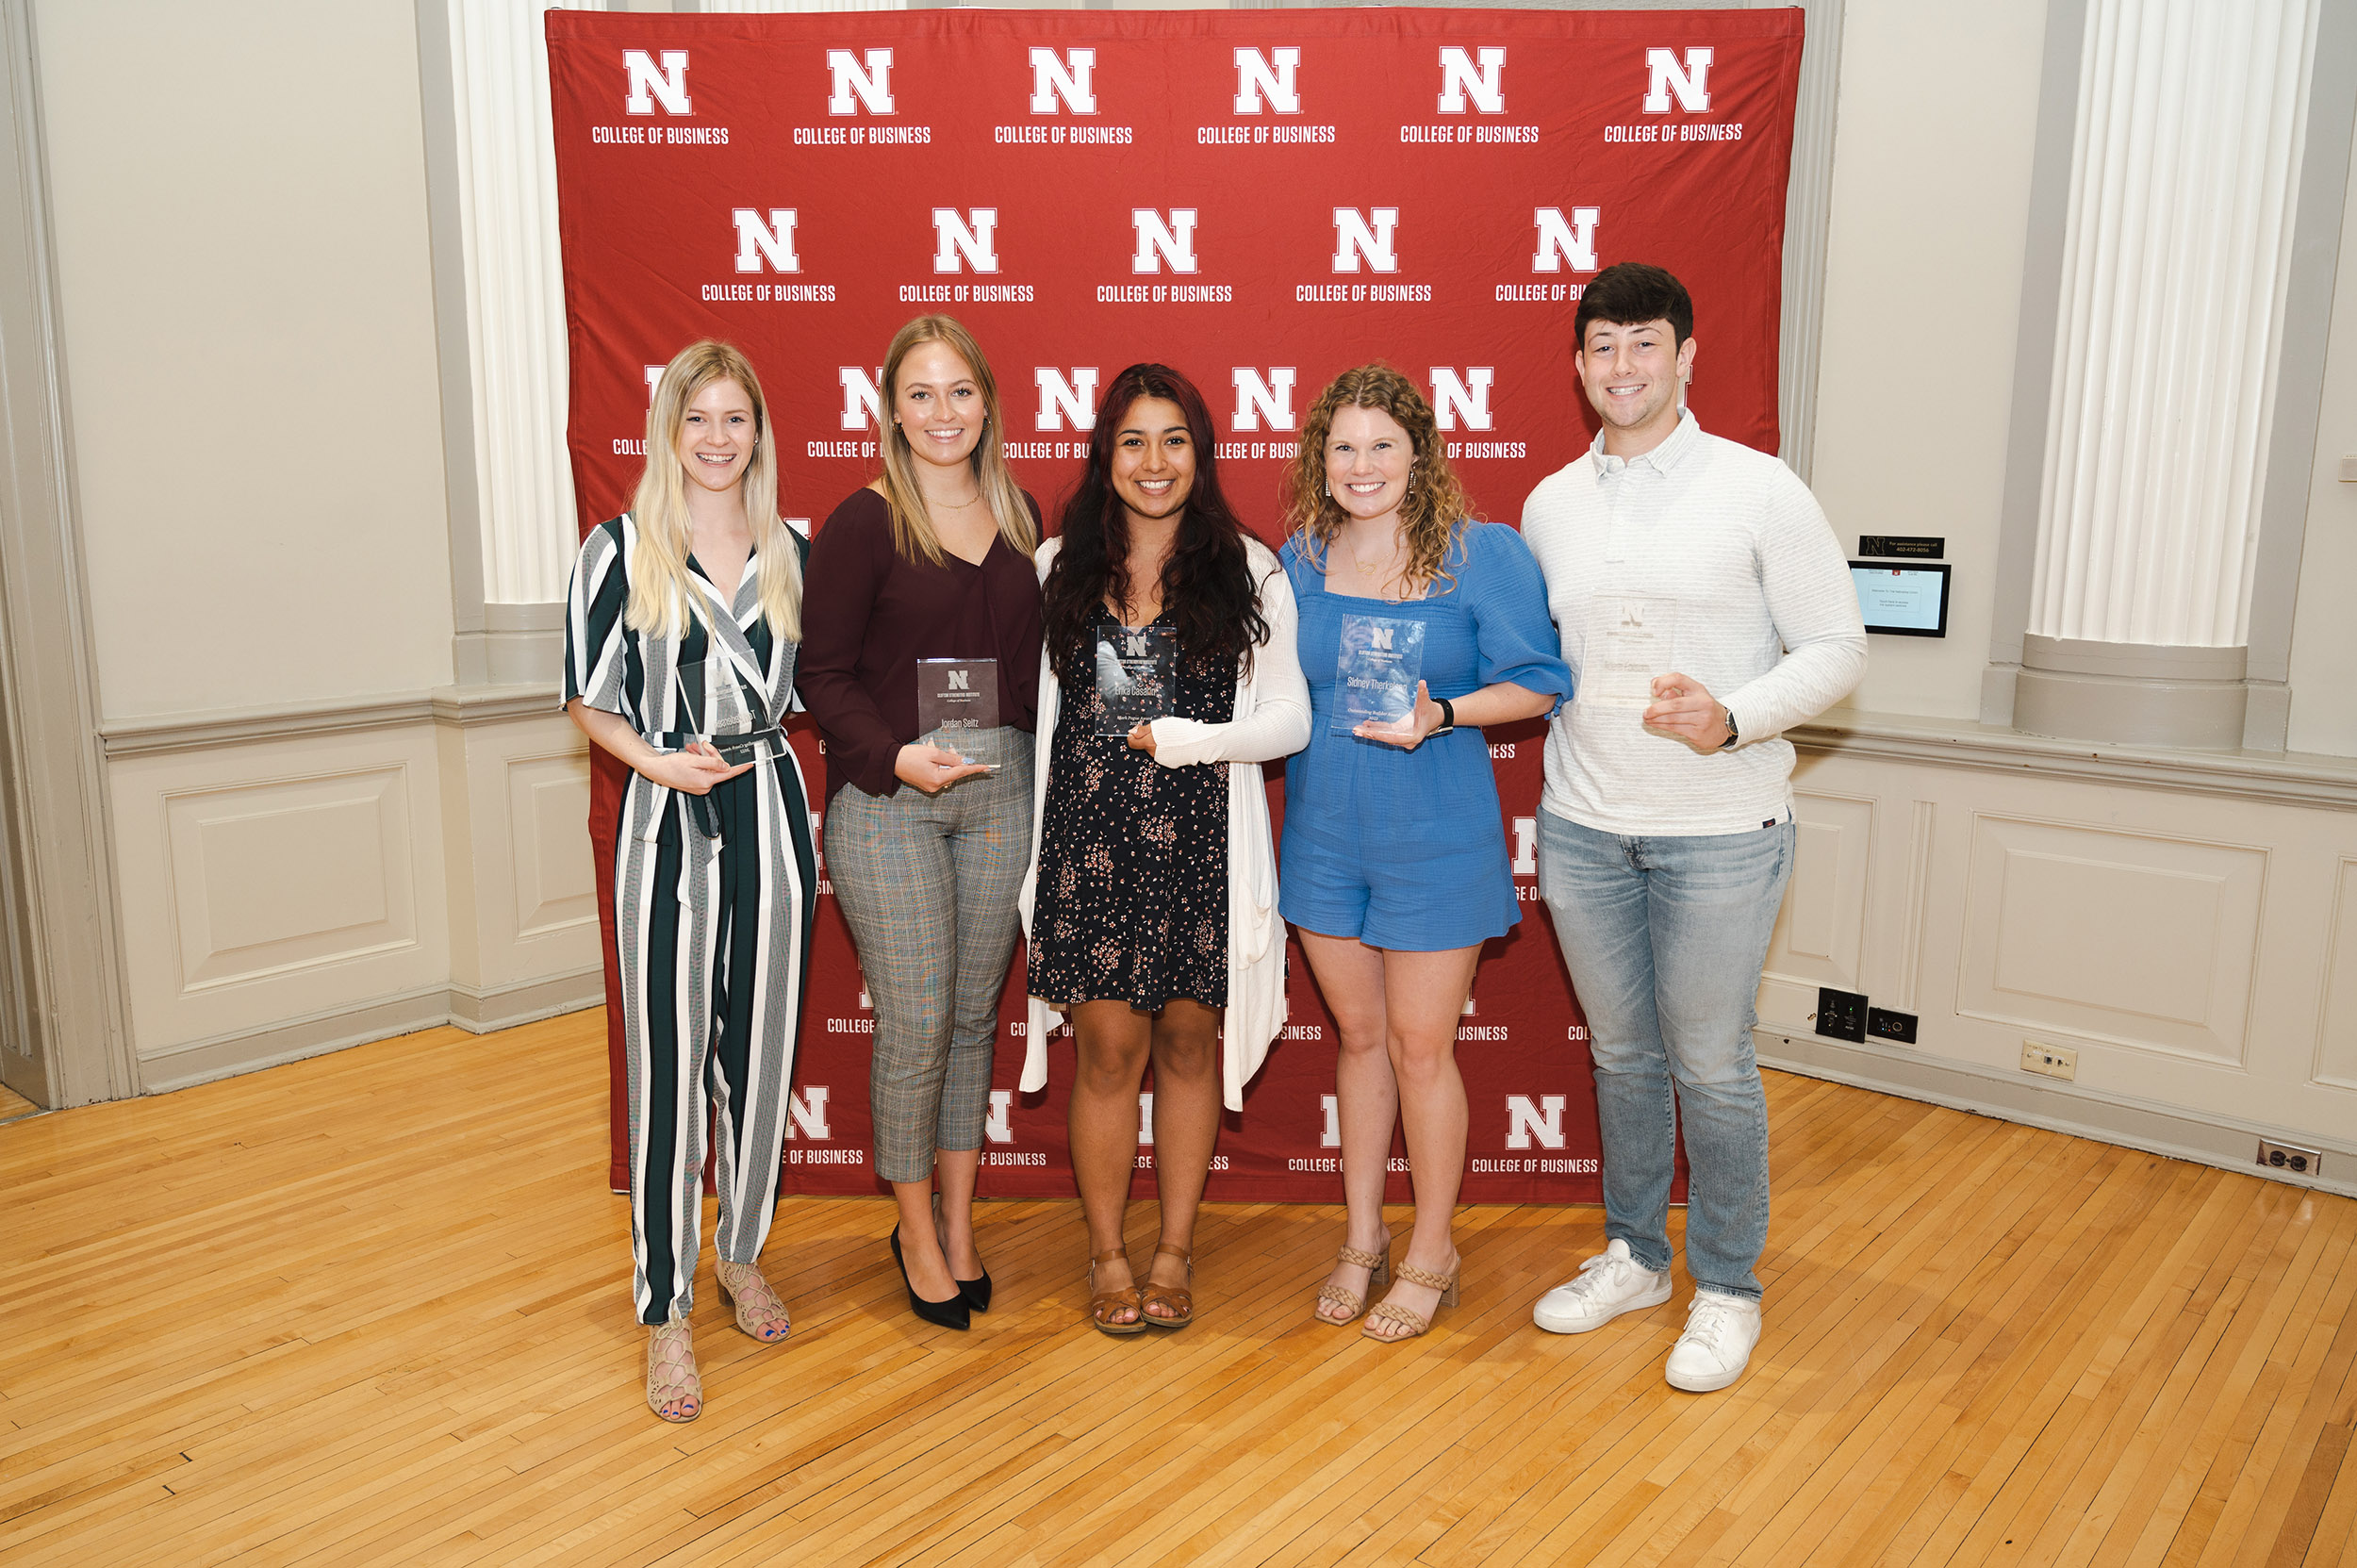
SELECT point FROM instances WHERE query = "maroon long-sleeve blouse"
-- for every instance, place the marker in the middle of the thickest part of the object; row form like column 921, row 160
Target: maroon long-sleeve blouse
column 869, row 614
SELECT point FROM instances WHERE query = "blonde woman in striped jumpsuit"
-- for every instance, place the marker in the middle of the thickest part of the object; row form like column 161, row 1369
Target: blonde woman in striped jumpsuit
column 680, row 642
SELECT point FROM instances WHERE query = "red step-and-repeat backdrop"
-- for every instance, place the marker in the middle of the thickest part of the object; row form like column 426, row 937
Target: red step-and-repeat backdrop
column 1259, row 198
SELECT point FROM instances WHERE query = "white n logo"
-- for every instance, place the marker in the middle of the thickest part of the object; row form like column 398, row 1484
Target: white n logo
column 1065, row 76
column 873, row 84
column 1459, row 79
column 1334, row 1138
column 654, row 375
column 1145, row 1120
column 1562, row 245
column 1525, row 846
column 1467, row 399
column 806, row 1113
column 1065, row 404
column 1525, row 1121
column 1664, row 76
column 1163, row 240
column 1257, row 400
column 998, row 1127
column 969, row 237
column 1365, row 236
column 1380, row 637
column 648, row 84
column 1270, row 75
column 772, row 240
column 958, row 678
column 863, row 405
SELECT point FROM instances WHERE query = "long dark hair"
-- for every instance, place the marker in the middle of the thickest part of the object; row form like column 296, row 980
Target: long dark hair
column 1207, row 583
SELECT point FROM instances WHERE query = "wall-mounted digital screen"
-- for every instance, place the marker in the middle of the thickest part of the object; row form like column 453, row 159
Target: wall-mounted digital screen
column 1909, row 601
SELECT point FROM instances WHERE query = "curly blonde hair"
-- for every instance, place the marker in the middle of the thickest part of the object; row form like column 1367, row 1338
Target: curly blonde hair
column 1435, row 503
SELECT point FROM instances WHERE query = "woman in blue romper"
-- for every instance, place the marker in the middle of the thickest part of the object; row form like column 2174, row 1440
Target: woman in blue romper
column 1394, row 863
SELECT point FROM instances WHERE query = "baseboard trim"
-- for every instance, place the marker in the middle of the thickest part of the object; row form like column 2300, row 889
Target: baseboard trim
column 478, row 1012
column 2060, row 1108
column 526, row 1001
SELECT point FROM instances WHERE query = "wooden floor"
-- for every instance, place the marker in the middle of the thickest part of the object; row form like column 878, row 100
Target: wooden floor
column 13, row 1105
column 371, row 1309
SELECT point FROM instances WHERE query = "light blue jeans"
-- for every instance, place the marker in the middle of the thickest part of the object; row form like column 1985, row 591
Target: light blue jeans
column 1664, row 937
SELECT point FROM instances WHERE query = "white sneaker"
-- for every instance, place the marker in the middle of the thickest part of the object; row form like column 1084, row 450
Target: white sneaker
column 1720, row 1333
column 1609, row 1283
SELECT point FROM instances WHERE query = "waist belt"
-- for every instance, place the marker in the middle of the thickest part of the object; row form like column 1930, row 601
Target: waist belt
column 745, row 746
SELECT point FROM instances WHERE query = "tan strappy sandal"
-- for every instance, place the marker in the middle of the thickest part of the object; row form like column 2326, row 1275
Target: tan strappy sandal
column 1177, row 1300
column 1103, row 1304
column 1414, row 1323
column 1378, row 1267
column 759, row 1313
column 674, row 1392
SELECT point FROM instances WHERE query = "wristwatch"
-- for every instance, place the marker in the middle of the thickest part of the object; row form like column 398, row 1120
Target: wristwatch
column 1448, row 718
column 1733, row 733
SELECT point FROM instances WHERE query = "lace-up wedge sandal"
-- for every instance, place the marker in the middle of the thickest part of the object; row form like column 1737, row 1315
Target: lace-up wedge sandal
column 1412, row 1323
column 1178, row 1301
column 1103, row 1304
column 674, row 1392
column 1378, row 1267
column 759, row 1313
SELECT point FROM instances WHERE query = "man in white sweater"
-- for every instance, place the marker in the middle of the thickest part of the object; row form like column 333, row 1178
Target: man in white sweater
column 1704, row 607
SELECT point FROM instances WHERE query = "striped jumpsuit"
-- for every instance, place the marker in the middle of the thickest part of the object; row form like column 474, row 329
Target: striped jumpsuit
column 713, row 899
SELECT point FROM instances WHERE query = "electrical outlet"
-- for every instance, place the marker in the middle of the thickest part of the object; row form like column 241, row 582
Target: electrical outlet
column 1883, row 1023
column 1840, row 1015
column 2054, row 1060
column 2290, row 1157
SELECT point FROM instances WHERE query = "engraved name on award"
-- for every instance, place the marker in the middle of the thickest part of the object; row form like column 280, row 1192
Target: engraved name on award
column 1631, row 639
column 1375, row 672
column 1135, row 665
column 956, row 698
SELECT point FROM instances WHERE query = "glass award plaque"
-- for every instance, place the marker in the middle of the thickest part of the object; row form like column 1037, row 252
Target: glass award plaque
column 1377, row 669
column 1136, row 667
column 1631, row 639
column 956, row 698
column 725, row 712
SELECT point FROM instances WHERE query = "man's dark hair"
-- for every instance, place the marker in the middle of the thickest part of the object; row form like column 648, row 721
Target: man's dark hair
column 1629, row 292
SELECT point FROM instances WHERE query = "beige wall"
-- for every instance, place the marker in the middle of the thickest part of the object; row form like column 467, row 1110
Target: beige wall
column 239, row 199
column 2324, row 632
column 1930, row 194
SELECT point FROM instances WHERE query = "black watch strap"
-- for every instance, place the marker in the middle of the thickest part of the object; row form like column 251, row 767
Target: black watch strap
column 1733, row 735
column 1449, row 717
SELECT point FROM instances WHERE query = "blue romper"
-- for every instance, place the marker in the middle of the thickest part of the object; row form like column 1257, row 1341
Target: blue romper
column 1406, row 849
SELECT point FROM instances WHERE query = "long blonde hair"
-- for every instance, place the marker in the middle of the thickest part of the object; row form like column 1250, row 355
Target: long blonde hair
column 1435, row 502
column 662, row 601
column 912, row 533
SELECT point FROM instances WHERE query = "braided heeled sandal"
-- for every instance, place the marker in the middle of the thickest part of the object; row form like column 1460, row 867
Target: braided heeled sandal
column 674, row 1392
column 1378, row 1267
column 1413, row 1322
column 759, row 1313
column 1103, row 1304
column 1178, row 1301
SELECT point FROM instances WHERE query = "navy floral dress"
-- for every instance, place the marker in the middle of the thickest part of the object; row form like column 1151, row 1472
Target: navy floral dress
column 1132, row 892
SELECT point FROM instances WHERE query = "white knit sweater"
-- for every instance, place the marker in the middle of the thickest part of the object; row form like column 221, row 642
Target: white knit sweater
column 1766, row 619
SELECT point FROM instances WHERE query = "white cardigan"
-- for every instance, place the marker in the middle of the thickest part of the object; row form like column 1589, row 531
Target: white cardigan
column 1272, row 719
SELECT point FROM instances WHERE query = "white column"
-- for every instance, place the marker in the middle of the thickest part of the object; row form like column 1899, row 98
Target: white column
column 515, row 296
column 2175, row 265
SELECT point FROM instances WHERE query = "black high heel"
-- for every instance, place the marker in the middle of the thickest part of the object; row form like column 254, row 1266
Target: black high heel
column 951, row 1314
column 975, row 1293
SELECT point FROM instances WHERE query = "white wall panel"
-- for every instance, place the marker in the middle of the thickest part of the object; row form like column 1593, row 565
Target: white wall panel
column 273, row 876
column 2337, row 1024
column 2143, row 940
column 548, row 795
column 1820, row 936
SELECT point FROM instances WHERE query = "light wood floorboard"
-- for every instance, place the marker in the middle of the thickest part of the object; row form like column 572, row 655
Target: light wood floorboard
column 371, row 1307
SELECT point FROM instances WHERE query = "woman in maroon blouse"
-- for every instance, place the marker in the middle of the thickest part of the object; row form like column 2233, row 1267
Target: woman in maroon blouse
column 922, row 581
